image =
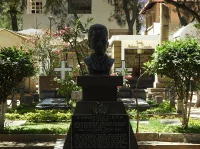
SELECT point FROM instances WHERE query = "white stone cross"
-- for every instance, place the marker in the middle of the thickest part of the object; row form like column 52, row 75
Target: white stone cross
column 123, row 68
column 63, row 70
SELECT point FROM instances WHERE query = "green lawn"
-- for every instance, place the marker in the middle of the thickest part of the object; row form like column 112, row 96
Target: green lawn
column 58, row 121
column 62, row 128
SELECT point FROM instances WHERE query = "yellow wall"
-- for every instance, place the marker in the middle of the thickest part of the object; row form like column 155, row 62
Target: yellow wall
column 8, row 39
column 117, row 53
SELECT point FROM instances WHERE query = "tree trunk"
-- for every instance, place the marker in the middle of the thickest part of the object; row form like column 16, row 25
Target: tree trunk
column 197, row 104
column 194, row 13
column 184, row 117
column 2, row 115
column 182, row 109
column 130, row 28
column 179, row 107
column 130, row 31
column 181, row 18
column 172, row 97
column 14, row 98
column 13, row 15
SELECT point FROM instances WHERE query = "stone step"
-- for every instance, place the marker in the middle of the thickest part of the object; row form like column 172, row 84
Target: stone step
column 166, row 145
column 149, row 145
column 59, row 145
column 155, row 89
column 142, row 145
column 155, row 94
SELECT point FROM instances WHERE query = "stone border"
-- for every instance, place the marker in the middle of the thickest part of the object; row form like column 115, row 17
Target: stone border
column 30, row 137
column 170, row 137
column 165, row 137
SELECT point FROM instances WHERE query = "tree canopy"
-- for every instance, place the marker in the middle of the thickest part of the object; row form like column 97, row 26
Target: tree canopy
column 12, row 10
column 15, row 64
column 180, row 61
column 186, row 7
column 126, row 11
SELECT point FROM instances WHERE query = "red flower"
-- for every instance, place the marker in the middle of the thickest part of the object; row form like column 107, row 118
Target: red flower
column 62, row 31
column 128, row 77
column 57, row 34
column 67, row 29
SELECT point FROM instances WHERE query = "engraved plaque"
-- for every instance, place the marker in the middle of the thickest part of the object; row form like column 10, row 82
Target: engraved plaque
column 100, row 132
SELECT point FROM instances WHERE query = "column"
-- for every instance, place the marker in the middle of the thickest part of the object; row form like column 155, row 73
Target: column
column 164, row 34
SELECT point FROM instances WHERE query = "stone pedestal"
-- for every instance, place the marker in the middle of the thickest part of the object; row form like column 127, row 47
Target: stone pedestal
column 100, row 107
column 99, row 88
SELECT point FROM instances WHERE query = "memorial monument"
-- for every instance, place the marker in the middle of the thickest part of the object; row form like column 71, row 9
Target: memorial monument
column 99, row 120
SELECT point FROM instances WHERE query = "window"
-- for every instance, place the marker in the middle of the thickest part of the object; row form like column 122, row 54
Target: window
column 81, row 7
column 36, row 6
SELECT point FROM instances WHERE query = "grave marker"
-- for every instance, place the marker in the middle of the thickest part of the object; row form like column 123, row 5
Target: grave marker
column 122, row 69
column 63, row 69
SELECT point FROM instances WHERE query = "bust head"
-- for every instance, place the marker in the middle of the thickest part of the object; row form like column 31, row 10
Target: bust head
column 98, row 39
column 98, row 62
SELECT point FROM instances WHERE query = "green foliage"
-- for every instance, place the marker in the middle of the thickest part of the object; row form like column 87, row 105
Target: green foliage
column 21, row 109
column 176, row 59
column 194, row 127
column 188, row 11
column 41, row 116
column 15, row 64
column 62, row 128
column 39, row 128
column 125, row 11
column 151, row 101
column 67, row 86
column 70, row 35
column 163, row 108
column 155, row 126
column 11, row 14
column 133, row 115
column 180, row 61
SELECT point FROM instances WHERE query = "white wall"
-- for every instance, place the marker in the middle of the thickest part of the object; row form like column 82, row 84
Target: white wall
column 100, row 14
column 149, row 41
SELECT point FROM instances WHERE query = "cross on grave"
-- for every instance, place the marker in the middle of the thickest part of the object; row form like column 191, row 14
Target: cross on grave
column 122, row 69
column 63, row 69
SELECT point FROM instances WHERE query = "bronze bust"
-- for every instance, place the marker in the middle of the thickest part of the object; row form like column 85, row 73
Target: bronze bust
column 98, row 62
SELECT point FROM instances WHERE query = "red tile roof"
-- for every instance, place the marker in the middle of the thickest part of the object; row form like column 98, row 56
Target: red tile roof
column 149, row 5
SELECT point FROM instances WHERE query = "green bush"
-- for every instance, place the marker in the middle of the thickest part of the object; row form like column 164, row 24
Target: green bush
column 21, row 109
column 41, row 116
column 151, row 101
column 133, row 114
column 14, row 116
column 162, row 108
column 25, row 130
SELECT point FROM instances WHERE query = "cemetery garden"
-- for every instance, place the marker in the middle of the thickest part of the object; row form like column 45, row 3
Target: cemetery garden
column 177, row 60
